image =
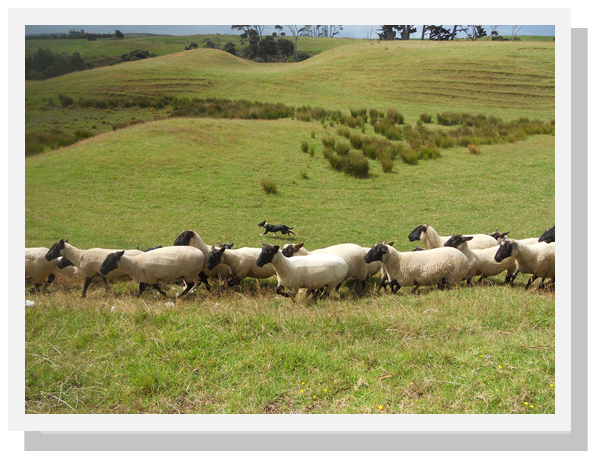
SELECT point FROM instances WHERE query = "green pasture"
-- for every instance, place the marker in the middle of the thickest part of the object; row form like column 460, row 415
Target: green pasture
column 472, row 349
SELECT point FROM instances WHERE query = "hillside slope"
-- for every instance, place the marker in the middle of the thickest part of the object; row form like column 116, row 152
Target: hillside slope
column 511, row 77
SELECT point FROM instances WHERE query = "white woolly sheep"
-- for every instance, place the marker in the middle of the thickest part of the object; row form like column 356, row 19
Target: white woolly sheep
column 442, row 266
column 352, row 254
column 192, row 238
column 536, row 259
column 242, row 263
column 37, row 268
column 166, row 264
column 482, row 261
column 88, row 262
column 314, row 272
column 431, row 239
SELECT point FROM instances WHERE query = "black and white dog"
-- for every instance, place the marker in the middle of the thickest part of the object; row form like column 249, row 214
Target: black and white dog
column 283, row 229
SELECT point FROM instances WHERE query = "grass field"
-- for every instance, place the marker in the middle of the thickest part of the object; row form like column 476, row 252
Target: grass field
column 481, row 349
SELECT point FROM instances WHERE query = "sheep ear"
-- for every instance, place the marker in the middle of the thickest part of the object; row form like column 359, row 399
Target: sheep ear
column 468, row 238
column 391, row 243
column 299, row 246
column 231, row 245
column 383, row 242
column 505, row 234
column 213, row 248
column 275, row 248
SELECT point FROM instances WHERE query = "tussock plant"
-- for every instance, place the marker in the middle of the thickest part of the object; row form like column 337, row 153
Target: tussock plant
column 409, row 156
column 393, row 115
column 304, row 146
column 426, row 118
column 342, row 148
column 268, row 185
column 474, row 149
column 343, row 131
column 328, row 141
column 356, row 141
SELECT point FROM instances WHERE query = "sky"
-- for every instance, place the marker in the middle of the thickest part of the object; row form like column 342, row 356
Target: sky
column 349, row 31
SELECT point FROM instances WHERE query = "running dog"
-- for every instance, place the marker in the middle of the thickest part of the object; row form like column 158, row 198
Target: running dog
column 283, row 229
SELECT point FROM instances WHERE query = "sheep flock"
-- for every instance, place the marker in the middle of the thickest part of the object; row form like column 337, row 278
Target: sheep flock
column 446, row 262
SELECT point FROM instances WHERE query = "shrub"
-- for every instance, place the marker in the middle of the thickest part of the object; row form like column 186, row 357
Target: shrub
column 268, row 186
column 304, row 175
column 304, row 146
column 311, row 151
column 386, row 164
column 328, row 142
column 343, row 131
column 342, row 148
column 428, row 152
column 395, row 116
column 373, row 113
column 312, row 133
column 354, row 164
column 426, row 118
column 474, row 149
column 356, row 141
column 352, row 122
column 65, row 101
column 409, row 156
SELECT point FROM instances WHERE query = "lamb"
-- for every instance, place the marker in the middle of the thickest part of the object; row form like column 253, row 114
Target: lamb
column 536, row 259
column 314, row 272
column 442, row 266
column 482, row 261
column 242, row 263
column 166, row 264
column 193, row 239
column 352, row 254
column 37, row 268
column 548, row 236
column 88, row 262
column 432, row 240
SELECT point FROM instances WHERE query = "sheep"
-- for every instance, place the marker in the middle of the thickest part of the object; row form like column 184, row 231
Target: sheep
column 536, row 259
column 502, row 236
column 37, row 268
column 88, row 262
column 442, row 266
column 548, row 236
column 482, row 261
column 193, row 239
column 352, row 254
column 314, row 272
column 166, row 264
column 241, row 262
column 432, row 240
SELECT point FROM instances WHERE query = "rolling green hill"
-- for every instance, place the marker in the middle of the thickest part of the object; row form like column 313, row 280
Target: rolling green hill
column 510, row 79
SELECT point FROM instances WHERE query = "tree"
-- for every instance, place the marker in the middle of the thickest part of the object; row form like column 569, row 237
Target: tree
column 438, row 32
column 405, row 31
column 230, row 48
column 285, row 47
column 267, row 48
column 514, row 30
column 246, row 28
column 296, row 32
column 119, row 35
column 387, row 32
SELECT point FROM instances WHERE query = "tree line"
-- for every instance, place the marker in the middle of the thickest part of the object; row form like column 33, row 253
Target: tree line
column 441, row 33
column 46, row 64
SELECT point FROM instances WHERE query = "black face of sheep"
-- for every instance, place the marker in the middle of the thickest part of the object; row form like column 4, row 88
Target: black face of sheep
column 415, row 235
column 110, row 263
column 214, row 258
column 267, row 254
column 291, row 250
column 498, row 235
column 505, row 250
column 226, row 246
column 63, row 263
column 548, row 236
column 184, row 238
column 457, row 240
column 376, row 253
column 54, row 251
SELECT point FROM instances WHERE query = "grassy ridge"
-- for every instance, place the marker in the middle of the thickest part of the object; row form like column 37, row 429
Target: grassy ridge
column 512, row 80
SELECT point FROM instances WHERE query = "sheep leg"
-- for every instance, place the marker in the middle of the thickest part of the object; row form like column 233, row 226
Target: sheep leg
column 86, row 286
column 514, row 275
column 507, row 279
column 34, row 288
column 532, row 279
column 156, row 287
column 188, row 287
column 442, row 285
column 105, row 281
column 50, row 279
column 394, row 286
column 416, row 285
column 204, row 280
column 279, row 292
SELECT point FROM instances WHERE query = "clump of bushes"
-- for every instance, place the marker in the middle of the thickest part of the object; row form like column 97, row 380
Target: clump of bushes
column 354, row 163
column 356, row 141
column 328, row 142
column 268, row 185
column 426, row 118
column 304, row 146
column 343, row 131
column 342, row 148
column 36, row 142
column 393, row 115
column 474, row 149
